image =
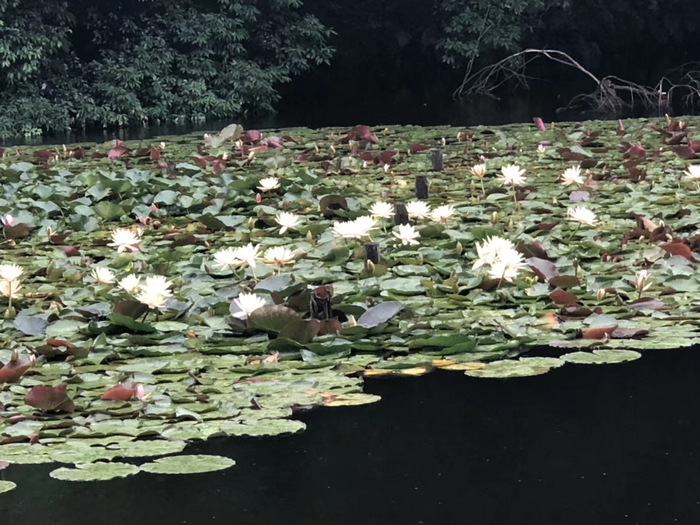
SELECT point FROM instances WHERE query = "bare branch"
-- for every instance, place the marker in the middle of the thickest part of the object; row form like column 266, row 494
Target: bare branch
column 612, row 95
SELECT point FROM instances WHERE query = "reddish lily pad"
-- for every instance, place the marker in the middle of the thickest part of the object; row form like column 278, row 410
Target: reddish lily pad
column 50, row 398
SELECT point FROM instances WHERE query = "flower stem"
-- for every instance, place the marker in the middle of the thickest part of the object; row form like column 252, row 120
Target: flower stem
column 568, row 241
column 515, row 198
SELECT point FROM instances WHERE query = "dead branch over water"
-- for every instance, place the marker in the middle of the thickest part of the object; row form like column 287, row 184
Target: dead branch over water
column 612, row 96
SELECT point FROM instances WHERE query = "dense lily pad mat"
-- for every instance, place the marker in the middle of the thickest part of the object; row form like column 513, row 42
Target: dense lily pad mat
column 156, row 294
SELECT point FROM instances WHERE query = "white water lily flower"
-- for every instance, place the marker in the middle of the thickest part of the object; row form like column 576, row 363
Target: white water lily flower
column 500, row 255
column 151, row 298
column 102, row 275
column 269, row 184
column 581, row 215
column 478, row 170
column 442, row 213
column 155, row 291
column 10, row 272
column 124, row 240
column 506, row 269
column 571, row 175
column 365, row 223
column 692, row 172
column 418, row 209
column 287, row 220
column 492, row 250
column 247, row 303
column 9, row 288
column 512, row 175
column 248, row 255
column 407, row 234
column 157, row 284
column 227, row 259
column 641, row 281
column 8, row 220
column 279, row 255
column 382, row 210
column 130, row 283
column 357, row 229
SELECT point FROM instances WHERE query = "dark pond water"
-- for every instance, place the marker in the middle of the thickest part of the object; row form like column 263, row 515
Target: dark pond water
column 387, row 109
column 582, row 445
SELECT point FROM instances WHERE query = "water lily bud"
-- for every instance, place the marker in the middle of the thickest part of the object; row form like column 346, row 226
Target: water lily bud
column 443, row 142
column 364, row 164
column 494, row 218
column 370, row 266
column 351, row 320
column 251, row 223
column 459, row 248
column 162, row 145
column 309, row 237
column 555, row 201
column 386, row 168
column 600, row 293
column 419, row 258
column 332, row 148
column 511, row 225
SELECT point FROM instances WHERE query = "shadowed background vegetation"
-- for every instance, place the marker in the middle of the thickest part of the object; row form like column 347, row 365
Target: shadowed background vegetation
column 82, row 64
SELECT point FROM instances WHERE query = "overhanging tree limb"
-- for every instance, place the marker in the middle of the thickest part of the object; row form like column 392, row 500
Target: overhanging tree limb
column 611, row 96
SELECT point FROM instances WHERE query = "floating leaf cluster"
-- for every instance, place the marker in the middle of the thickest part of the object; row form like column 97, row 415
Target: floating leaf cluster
column 293, row 263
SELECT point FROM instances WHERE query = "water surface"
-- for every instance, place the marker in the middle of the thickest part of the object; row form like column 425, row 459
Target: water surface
column 582, row 445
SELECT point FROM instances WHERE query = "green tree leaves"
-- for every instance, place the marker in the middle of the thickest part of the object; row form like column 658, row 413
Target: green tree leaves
column 81, row 63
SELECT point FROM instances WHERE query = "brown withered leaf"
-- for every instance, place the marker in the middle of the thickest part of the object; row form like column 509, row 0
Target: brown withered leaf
column 563, row 297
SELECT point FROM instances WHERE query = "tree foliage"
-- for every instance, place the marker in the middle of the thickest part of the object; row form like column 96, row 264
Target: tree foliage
column 84, row 63
column 73, row 63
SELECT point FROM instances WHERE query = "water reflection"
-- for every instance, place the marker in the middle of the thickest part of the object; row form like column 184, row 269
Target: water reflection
column 581, row 445
column 379, row 110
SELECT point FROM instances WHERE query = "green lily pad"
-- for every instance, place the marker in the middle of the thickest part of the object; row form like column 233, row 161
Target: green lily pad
column 94, row 472
column 511, row 368
column 7, row 486
column 379, row 314
column 601, row 357
column 188, row 464
column 263, row 427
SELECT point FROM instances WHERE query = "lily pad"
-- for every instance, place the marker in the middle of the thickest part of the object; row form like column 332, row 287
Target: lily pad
column 601, row 357
column 188, row 464
column 94, row 472
column 379, row 314
column 6, row 486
